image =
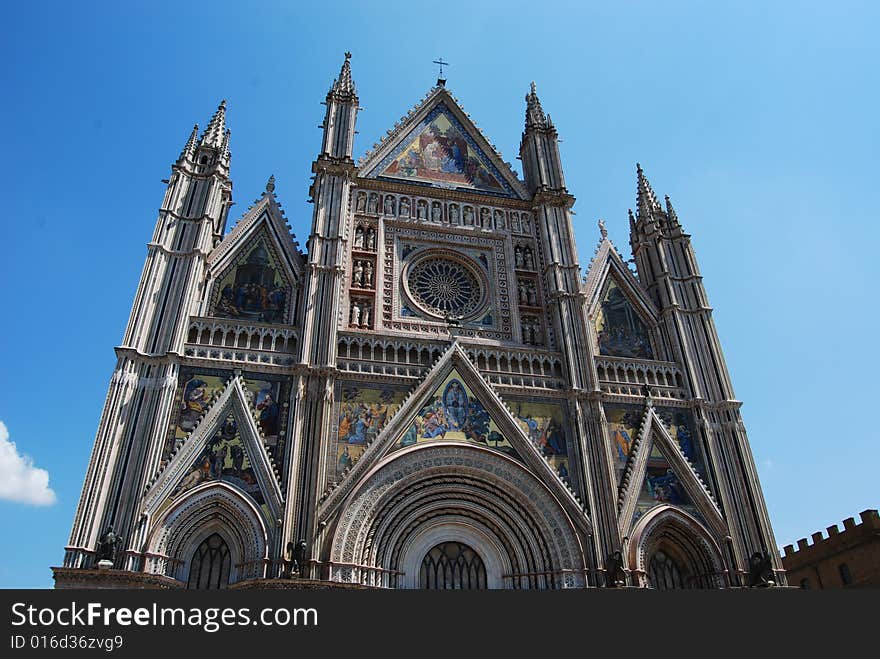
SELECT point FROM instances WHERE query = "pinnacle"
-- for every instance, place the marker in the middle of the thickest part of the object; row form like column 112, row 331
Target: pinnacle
column 270, row 184
column 535, row 117
column 646, row 200
column 344, row 84
column 670, row 212
column 190, row 146
column 216, row 130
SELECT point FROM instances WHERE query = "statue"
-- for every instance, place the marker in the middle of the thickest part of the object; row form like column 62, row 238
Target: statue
column 532, row 295
column 373, row 205
column 365, row 316
column 422, row 209
column 359, row 237
column 522, row 293
column 107, row 546
column 453, row 213
column 615, row 577
column 404, row 207
column 518, row 256
column 527, row 258
column 299, row 556
column 469, row 215
column 294, row 563
column 485, row 218
column 389, row 205
column 499, row 220
column 761, row 573
column 358, row 278
column 436, row 212
column 371, row 238
column 526, row 223
column 368, row 277
column 355, row 319
column 361, row 202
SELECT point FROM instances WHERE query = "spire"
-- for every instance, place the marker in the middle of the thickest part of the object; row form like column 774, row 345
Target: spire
column 270, row 184
column 344, row 85
column 645, row 198
column 215, row 132
column 224, row 147
column 535, row 117
column 190, row 147
column 671, row 214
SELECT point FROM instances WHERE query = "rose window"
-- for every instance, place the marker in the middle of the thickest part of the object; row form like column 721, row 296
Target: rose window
column 444, row 288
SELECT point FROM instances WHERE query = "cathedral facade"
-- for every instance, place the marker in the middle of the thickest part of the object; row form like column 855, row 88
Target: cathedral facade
column 433, row 394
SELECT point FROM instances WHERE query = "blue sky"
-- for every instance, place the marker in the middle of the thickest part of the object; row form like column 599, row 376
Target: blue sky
column 758, row 119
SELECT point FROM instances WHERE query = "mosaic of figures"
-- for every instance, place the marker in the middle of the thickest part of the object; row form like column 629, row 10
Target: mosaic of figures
column 624, row 423
column 197, row 390
column 454, row 413
column 223, row 459
column 619, row 329
column 466, row 215
column 363, row 412
column 440, row 152
column 544, row 424
column 254, row 288
column 661, row 484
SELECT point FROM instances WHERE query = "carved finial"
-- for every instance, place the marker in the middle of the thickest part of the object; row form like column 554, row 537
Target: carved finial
column 344, row 84
column 602, row 229
column 535, row 117
column 270, row 184
column 670, row 212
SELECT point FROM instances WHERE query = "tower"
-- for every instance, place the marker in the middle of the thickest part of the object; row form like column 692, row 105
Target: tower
column 432, row 395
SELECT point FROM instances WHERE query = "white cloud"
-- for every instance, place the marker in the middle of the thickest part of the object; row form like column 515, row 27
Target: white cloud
column 20, row 480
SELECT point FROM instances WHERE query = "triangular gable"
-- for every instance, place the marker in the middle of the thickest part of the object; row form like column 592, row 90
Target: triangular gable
column 255, row 271
column 438, row 145
column 454, row 365
column 265, row 214
column 620, row 312
column 228, row 436
column 659, row 473
column 454, row 412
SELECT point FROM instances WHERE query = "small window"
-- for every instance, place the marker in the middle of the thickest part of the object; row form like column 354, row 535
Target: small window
column 845, row 575
column 805, row 584
column 203, row 160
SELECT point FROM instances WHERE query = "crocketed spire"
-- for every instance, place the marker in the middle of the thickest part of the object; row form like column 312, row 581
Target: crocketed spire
column 344, row 85
column 190, row 147
column 646, row 200
column 216, row 130
column 535, row 117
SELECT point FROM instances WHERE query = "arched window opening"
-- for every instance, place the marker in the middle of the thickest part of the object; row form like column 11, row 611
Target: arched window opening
column 209, row 569
column 452, row 566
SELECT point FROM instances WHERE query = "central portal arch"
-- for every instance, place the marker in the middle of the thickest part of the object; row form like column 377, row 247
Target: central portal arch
column 426, row 496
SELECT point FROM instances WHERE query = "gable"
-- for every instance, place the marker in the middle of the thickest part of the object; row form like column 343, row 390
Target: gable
column 620, row 330
column 438, row 151
column 255, row 285
column 226, row 445
column 660, row 471
column 437, row 145
column 454, row 413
